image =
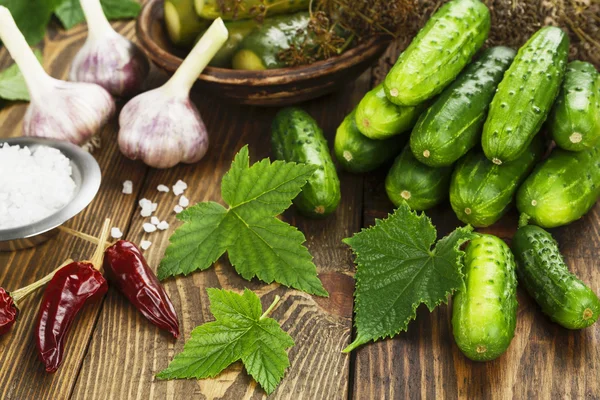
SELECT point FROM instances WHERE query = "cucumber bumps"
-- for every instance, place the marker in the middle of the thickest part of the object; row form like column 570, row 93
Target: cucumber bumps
column 484, row 313
column 562, row 188
column 575, row 119
column 525, row 95
column 452, row 125
column 543, row 272
column 439, row 52
column 297, row 137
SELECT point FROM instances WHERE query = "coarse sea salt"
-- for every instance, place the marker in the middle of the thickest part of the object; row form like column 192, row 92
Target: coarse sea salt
column 145, row 244
column 154, row 220
column 183, row 201
column 179, row 187
column 177, row 209
column 34, row 184
column 127, row 187
column 116, row 233
column 162, row 188
column 149, row 228
column 164, row 225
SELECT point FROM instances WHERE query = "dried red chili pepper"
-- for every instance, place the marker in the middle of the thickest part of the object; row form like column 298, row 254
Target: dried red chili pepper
column 126, row 267
column 66, row 294
column 8, row 300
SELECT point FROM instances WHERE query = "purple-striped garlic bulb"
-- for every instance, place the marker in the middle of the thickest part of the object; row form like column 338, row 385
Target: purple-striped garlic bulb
column 58, row 110
column 162, row 127
column 107, row 58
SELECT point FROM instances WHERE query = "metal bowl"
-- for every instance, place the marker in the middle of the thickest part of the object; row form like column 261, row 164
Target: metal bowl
column 87, row 177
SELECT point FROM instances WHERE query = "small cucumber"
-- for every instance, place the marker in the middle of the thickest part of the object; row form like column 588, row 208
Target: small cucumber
column 421, row 186
column 357, row 153
column 241, row 9
column 543, row 272
column 262, row 47
column 484, row 313
column 297, row 137
column 452, row 125
column 439, row 52
column 379, row 118
column 525, row 95
column 238, row 30
column 183, row 25
column 481, row 192
column 575, row 118
column 562, row 188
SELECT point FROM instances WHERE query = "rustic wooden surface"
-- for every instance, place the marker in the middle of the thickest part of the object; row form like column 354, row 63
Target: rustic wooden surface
column 113, row 352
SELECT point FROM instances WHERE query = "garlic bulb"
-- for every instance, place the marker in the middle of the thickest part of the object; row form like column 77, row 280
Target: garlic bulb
column 162, row 127
column 58, row 109
column 107, row 58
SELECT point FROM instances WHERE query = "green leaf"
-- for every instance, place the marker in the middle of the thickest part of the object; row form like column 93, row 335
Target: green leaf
column 397, row 270
column 12, row 83
column 69, row 12
column 259, row 245
column 240, row 332
column 31, row 16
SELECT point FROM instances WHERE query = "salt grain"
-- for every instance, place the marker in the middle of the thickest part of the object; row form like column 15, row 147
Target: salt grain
column 146, row 211
column 179, row 187
column 154, row 220
column 164, row 225
column 34, row 184
column 144, row 202
column 145, row 244
column 183, row 201
column 127, row 187
column 162, row 188
column 116, row 233
column 153, row 206
column 149, row 228
column 178, row 209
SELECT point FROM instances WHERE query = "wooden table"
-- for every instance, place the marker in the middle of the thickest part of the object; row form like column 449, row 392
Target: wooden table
column 113, row 352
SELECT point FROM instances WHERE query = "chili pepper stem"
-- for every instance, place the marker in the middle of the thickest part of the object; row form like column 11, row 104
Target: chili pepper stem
column 19, row 294
column 96, row 259
column 84, row 236
column 271, row 308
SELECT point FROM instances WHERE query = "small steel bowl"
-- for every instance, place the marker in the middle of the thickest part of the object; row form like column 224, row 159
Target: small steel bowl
column 87, row 177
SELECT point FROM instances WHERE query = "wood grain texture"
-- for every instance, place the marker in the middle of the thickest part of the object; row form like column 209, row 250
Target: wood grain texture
column 543, row 361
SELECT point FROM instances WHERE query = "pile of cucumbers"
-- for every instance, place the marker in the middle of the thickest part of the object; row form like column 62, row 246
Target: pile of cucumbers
column 251, row 45
column 476, row 137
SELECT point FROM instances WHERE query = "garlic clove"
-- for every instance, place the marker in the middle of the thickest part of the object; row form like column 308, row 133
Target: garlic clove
column 162, row 127
column 107, row 58
column 57, row 109
column 162, row 131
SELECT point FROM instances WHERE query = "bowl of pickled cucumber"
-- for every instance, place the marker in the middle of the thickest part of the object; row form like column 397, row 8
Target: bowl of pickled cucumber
column 270, row 60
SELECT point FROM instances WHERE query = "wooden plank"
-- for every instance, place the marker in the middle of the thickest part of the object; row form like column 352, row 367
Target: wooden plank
column 22, row 375
column 543, row 360
column 126, row 351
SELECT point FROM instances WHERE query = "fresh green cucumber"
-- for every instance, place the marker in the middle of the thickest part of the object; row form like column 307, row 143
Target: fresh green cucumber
column 241, row 9
column 484, row 313
column 562, row 188
column 452, row 125
column 357, row 153
column 543, row 272
column 481, row 192
column 439, row 52
column 575, row 118
column 262, row 47
column 421, row 186
column 379, row 118
column 525, row 95
column 238, row 30
column 183, row 25
column 297, row 137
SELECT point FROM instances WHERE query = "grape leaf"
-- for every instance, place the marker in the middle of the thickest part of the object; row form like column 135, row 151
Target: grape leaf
column 12, row 84
column 69, row 12
column 397, row 270
column 258, row 244
column 240, row 332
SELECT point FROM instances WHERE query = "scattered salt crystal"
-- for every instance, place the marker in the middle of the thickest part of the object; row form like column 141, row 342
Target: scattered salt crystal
column 164, row 225
column 162, row 188
column 153, row 206
column 179, row 187
column 116, row 233
column 146, row 211
column 154, row 220
column 144, row 202
column 149, row 228
column 34, row 184
column 145, row 244
column 183, row 201
column 178, row 209
column 127, row 187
